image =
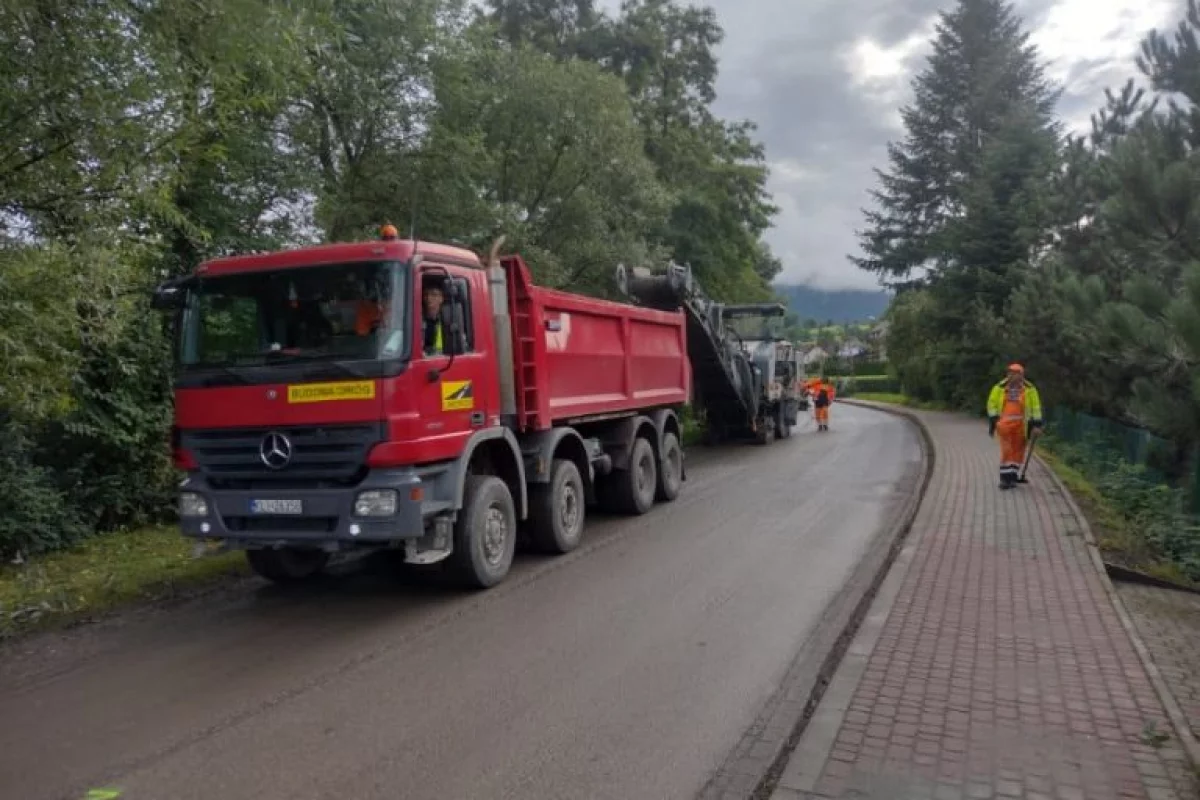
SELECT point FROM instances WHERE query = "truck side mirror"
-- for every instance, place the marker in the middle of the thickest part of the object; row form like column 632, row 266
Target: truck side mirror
column 169, row 295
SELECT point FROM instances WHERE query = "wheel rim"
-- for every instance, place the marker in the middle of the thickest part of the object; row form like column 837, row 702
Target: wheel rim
column 568, row 509
column 495, row 536
column 671, row 466
column 645, row 470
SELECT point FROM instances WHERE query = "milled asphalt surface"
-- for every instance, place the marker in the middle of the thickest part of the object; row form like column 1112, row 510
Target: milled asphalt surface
column 626, row 670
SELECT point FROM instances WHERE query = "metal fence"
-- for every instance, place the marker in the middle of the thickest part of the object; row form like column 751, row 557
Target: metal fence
column 1105, row 442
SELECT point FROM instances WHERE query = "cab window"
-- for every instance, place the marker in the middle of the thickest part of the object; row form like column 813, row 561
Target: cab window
column 438, row 308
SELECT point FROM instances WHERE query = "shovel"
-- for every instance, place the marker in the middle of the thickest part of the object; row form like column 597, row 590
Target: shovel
column 1029, row 455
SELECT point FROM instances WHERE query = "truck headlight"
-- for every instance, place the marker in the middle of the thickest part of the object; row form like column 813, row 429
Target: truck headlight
column 375, row 503
column 192, row 505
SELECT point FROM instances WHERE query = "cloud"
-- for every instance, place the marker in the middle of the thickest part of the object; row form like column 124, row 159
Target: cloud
column 825, row 79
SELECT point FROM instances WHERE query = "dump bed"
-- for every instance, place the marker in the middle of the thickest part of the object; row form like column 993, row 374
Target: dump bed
column 578, row 357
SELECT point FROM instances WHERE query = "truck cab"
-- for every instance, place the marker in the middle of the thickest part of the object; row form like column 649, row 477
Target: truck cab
column 776, row 366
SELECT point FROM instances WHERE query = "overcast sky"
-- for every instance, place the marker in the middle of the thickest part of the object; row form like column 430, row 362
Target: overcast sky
column 824, row 80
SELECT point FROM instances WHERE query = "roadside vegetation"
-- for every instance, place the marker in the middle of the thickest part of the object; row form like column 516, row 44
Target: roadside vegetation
column 1009, row 237
column 587, row 138
column 1140, row 522
column 890, row 398
column 102, row 573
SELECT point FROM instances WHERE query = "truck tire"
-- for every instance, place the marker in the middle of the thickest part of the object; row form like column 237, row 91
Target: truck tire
column 765, row 433
column 782, row 429
column 485, row 533
column 556, row 510
column 670, row 469
column 633, row 489
column 287, row 564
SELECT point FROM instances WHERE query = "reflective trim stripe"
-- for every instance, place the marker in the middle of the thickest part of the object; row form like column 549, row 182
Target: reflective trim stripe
column 1013, row 416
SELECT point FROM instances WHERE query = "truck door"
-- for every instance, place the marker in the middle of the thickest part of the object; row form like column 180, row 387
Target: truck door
column 458, row 395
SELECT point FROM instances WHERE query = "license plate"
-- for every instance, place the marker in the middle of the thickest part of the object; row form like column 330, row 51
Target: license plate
column 280, row 507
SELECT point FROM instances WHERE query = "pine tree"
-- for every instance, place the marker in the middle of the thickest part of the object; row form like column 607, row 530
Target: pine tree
column 983, row 81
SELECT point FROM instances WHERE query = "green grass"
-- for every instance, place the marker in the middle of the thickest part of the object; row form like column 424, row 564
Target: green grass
column 102, row 574
column 890, row 398
column 1118, row 537
column 896, row 399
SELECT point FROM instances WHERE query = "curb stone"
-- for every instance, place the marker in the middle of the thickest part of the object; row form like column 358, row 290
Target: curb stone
column 758, row 760
column 1175, row 715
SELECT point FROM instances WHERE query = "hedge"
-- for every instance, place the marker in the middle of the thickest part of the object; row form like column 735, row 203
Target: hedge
column 869, row 368
column 883, row 384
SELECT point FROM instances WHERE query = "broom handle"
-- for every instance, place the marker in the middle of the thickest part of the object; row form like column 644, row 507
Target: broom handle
column 1029, row 452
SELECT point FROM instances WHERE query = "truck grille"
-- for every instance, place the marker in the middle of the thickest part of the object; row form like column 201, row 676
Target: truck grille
column 328, row 454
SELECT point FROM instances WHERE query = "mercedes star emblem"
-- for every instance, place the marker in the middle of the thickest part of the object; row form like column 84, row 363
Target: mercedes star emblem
column 275, row 450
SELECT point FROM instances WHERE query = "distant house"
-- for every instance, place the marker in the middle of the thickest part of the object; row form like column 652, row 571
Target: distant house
column 815, row 356
column 852, row 350
column 877, row 341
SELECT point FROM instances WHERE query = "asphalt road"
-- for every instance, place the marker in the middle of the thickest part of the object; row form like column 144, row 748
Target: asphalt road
column 626, row 670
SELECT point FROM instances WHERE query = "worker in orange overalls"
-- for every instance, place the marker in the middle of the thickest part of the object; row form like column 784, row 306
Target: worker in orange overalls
column 822, row 400
column 1014, row 411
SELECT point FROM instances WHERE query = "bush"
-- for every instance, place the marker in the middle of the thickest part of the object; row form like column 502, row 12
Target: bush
column 101, row 461
column 35, row 514
column 1148, row 508
column 112, row 450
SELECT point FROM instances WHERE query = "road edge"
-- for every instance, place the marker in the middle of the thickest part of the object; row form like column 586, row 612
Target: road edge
column 1175, row 715
column 756, row 763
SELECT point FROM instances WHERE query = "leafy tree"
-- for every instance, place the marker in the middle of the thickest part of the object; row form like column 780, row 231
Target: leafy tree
column 663, row 50
column 665, row 53
column 556, row 164
column 359, row 120
column 563, row 28
column 73, row 92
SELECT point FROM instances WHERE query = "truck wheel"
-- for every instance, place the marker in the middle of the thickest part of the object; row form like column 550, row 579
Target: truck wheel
column 670, row 469
column 782, row 429
column 766, row 430
column 634, row 488
column 485, row 533
column 287, row 564
column 556, row 510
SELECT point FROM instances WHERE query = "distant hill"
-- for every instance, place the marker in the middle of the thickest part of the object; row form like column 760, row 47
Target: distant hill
column 841, row 306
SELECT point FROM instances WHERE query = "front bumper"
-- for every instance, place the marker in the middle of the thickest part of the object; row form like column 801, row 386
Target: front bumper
column 327, row 517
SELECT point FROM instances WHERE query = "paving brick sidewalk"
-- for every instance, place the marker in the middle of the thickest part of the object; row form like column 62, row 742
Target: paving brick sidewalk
column 993, row 663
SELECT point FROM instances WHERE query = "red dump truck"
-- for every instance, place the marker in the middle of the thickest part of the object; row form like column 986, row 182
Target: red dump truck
column 405, row 395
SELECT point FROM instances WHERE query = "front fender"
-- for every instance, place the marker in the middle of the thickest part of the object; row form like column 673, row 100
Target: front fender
column 521, row 491
column 540, row 450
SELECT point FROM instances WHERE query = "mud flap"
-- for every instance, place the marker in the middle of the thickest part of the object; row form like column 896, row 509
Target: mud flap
column 436, row 545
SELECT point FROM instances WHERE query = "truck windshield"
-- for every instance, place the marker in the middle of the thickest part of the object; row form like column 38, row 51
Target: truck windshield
column 330, row 312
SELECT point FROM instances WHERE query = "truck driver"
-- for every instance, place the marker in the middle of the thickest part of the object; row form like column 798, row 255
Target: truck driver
column 433, row 296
